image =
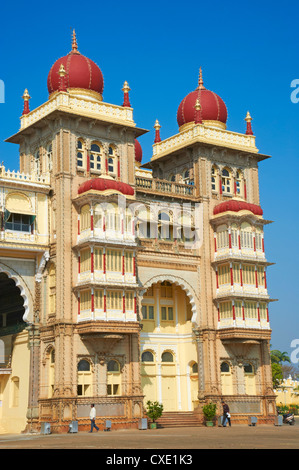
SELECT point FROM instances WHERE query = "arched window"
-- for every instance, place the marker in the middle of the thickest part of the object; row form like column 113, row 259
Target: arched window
column 113, row 218
column 110, row 165
column 186, row 176
column 37, row 162
column 85, row 218
column 80, row 154
column 15, row 383
column 113, row 378
column 226, row 181
column 84, row 378
column 172, row 177
column 167, row 357
column 246, row 236
column 52, row 288
column 226, row 378
column 166, row 290
column 222, row 237
column 98, row 217
column 165, row 227
column 195, row 368
column 111, row 161
column 85, row 260
column 239, row 183
column 214, row 179
column 49, row 157
column 234, row 235
column 147, row 356
column 249, row 376
column 95, row 157
column 225, row 367
column 51, row 372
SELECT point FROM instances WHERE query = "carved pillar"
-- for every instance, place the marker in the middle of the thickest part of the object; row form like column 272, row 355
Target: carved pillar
column 33, row 408
column 200, row 361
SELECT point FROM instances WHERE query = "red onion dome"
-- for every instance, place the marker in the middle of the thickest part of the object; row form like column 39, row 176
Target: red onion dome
column 103, row 184
column 81, row 72
column 236, row 206
column 138, row 151
column 212, row 107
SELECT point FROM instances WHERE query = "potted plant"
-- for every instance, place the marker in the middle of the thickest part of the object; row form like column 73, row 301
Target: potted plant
column 154, row 411
column 209, row 412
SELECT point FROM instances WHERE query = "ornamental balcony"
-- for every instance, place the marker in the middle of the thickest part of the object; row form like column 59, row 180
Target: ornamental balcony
column 235, row 253
column 122, row 315
column 109, row 277
column 165, row 188
column 236, row 290
column 19, row 238
column 99, row 235
column 240, row 325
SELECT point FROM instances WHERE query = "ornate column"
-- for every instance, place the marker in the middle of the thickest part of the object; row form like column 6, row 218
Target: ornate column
column 33, row 407
column 200, row 361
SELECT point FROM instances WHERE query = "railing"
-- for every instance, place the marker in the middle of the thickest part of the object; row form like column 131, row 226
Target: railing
column 246, row 323
column 203, row 133
column 24, row 177
column 23, row 237
column 79, row 105
column 165, row 187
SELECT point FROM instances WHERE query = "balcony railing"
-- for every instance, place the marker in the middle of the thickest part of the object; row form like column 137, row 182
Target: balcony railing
column 17, row 176
column 164, row 187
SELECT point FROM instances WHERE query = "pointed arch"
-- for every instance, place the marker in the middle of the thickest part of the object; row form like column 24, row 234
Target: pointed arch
column 185, row 286
column 24, row 291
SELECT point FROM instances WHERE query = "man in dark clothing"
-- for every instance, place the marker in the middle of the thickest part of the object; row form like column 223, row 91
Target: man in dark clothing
column 226, row 414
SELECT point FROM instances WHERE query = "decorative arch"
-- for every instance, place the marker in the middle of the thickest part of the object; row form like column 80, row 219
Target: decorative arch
column 24, row 291
column 185, row 286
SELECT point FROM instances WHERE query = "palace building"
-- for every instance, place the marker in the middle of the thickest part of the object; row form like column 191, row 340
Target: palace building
column 122, row 282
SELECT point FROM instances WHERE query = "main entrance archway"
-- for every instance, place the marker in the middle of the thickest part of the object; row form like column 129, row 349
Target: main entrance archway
column 168, row 346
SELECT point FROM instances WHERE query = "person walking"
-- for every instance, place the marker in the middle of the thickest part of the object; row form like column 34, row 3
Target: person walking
column 92, row 416
column 226, row 414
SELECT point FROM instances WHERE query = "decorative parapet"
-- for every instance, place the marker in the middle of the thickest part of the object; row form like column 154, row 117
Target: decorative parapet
column 17, row 176
column 205, row 134
column 82, row 106
column 154, row 185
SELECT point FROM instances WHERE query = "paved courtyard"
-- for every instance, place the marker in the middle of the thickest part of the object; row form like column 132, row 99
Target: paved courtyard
column 179, row 440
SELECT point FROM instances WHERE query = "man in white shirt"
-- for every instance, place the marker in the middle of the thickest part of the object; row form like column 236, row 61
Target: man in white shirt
column 92, row 416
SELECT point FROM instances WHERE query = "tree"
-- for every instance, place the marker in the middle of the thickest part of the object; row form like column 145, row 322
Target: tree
column 278, row 357
column 277, row 374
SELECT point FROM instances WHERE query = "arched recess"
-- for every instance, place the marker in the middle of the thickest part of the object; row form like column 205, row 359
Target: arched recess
column 185, row 286
column 24, row 291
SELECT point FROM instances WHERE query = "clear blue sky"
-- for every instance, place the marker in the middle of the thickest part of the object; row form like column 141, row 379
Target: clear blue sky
column 249, row 55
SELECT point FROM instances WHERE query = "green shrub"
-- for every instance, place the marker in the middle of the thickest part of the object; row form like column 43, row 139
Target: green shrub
column 209, row 411
column 154, row 410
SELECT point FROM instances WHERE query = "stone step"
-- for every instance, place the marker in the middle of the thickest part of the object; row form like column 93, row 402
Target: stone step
column 178, row 419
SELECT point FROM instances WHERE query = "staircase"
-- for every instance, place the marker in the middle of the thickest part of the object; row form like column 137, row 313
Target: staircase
column 173, row 419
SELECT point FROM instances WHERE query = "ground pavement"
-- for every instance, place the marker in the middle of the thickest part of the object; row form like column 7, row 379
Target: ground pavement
column 179, row 440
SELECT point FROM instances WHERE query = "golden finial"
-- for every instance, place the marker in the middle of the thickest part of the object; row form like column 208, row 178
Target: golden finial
column 61, row 71
column 126, row 87
column 157, row 125
column 74, row 43
column 197, row 105
column 26, row 96
column 200, row 80
column 248, row 117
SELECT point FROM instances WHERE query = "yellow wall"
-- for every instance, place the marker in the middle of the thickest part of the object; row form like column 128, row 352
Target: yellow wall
column 13, row 415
